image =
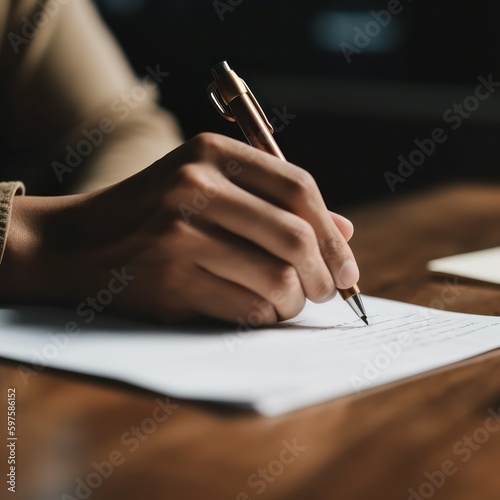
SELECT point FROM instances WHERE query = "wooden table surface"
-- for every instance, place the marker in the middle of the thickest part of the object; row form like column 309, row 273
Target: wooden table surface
column 432, row 436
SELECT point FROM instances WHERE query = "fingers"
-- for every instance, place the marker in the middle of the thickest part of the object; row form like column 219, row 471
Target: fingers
column 344, row 225
column 290, row 188
column 283, row 234
column 268, row 202
column 182, row 250
column 247, row 265
column 171, row 286
column 220, row 229
column 296, row 191
column 218, row 298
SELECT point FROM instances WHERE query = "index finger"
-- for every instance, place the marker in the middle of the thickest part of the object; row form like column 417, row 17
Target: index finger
column 294, row 189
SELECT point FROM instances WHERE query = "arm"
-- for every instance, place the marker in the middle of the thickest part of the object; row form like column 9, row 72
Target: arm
column 63, row 84
column 215, row 228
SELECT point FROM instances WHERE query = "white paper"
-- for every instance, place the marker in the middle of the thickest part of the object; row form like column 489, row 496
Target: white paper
column 324, row 353
column 483, row 265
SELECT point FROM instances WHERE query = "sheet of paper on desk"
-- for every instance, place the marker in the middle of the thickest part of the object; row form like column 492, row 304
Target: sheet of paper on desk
column 322, row 354
column 483, row 265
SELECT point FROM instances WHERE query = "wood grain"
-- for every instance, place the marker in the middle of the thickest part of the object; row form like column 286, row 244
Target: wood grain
column 376, row 445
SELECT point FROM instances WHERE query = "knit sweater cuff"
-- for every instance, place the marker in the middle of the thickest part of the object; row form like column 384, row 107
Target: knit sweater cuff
column 7, row 192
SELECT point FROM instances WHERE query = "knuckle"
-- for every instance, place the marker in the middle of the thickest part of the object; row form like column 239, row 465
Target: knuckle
column 176, row 232
column 190, row 176
column 260, row 313
column 185, row 181
column 333, row 246
column 270, row 315
column 204, row 144
column 300, row 236
column 322, row 290
column 305, row 179
column 285, row 291
column 299, row 183
column 284, row 275
column 292, row 308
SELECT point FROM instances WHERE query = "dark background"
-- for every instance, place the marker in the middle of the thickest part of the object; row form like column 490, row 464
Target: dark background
column 353, row 119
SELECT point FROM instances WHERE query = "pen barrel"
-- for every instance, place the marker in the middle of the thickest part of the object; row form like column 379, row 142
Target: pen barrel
column 253, row 126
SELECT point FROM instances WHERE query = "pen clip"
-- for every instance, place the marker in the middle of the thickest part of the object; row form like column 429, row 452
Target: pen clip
column 225, row 112
column 218, row 102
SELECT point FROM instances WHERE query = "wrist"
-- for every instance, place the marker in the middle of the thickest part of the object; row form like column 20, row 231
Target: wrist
column 32, row 264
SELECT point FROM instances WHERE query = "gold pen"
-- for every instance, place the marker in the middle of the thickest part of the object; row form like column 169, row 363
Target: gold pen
column 235, row 102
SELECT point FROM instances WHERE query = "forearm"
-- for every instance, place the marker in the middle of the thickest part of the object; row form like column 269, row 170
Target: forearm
column 112, row 147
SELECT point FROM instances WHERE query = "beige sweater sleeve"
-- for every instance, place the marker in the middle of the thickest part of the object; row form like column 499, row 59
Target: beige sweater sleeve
column 77, row 116
column 66, row 87
column 7, row 192
column 77, row 110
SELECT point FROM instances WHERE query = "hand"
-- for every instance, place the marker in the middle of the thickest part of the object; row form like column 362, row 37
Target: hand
column 215, row 228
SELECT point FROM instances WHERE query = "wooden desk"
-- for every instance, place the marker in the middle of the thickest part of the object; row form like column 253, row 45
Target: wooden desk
column 373, row 446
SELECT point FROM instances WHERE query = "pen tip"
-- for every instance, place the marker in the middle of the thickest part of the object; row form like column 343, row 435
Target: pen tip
column 365, row 319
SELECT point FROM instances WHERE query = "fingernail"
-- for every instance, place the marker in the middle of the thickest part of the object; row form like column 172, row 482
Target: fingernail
column 348, row 275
